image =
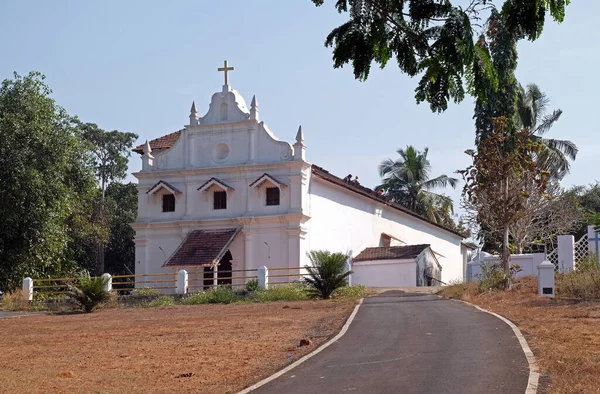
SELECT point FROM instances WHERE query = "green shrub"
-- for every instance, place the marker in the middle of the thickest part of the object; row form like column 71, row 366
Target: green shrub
column 88, row 291
column 287, row 292
column 164, row 300
column 327, row 273
column 354, row 291
column 216, row 295
column 492, row 277
column 252, row 285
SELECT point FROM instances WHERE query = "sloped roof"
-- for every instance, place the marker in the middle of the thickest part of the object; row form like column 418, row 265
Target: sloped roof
column 203, row 248
column 391, row 253
column 164, row 142
column 266, row 177
column 213, row 181
column 162, row 184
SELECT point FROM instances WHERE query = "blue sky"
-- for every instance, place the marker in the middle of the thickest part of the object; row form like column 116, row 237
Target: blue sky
column 137, row 65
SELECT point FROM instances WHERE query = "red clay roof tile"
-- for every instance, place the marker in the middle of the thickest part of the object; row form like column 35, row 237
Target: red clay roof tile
column 164, row 142
column 203, row 247
column 390, row 253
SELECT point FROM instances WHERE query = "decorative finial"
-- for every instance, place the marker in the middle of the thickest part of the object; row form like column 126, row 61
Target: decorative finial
column 299, row 136
column 147, row 149
column 299, row 147
column 254, row 108
column 225, row 70
column 193, row 114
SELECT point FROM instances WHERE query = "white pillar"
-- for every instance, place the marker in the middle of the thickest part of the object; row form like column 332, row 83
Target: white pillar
column 215, row 275
column 182, row 282
column 248, row 250
column 566, row 253
column 108, row 282
column 349, row 268
column 546, row 279
column 263, row 277
column 252, row 133
column 28, row 289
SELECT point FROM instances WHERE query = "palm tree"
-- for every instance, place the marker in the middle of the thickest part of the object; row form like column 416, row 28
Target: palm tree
column 532, row 115
column 406, row 181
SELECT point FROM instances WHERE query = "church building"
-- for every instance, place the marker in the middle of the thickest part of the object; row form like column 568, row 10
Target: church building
column 224, row 191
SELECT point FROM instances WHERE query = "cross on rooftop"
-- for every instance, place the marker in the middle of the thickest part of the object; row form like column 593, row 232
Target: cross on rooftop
column 225, row 69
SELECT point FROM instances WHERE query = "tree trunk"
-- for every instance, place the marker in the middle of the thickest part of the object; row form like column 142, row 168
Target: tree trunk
column 506, row 255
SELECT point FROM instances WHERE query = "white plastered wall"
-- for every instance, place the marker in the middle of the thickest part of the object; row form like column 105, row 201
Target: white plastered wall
column 344, row 221
column 385, row 273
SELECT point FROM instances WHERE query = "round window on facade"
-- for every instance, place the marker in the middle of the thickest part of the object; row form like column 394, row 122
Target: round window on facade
column 220, row 152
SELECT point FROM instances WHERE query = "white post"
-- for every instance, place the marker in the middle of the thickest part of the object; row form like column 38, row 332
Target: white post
column 566, row 253
column 215, row 275
column 546, row 279
column 263, row 277
column 28, row 289
column 349, row 268
column 182, row 282
column 108, row 283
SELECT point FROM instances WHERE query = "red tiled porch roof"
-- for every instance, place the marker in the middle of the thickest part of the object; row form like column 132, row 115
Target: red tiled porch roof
column 203, row 248
column 391, row 253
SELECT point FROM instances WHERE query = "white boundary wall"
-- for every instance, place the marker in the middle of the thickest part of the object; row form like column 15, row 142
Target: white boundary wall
column 527, row 262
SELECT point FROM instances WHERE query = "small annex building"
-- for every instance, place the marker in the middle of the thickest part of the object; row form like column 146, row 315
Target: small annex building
column 396, row 266
column 225, row 192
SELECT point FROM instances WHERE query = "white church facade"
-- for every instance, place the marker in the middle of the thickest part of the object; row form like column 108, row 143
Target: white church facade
column 225, row 191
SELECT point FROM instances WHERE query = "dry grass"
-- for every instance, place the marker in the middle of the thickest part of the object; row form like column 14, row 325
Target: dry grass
column 564, row 334
column 186, row 349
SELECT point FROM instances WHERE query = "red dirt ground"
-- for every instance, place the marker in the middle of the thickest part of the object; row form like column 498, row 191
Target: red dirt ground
column 185, row 349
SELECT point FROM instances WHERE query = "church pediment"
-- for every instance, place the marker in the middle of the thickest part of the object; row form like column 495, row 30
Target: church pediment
column 226, row 107
column 229, row 134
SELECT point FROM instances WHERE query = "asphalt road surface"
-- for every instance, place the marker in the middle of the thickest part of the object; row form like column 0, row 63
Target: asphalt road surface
column 409, row 343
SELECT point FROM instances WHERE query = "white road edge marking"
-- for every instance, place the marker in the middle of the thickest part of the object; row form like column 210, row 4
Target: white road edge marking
column 534, row 374
column 306, row 357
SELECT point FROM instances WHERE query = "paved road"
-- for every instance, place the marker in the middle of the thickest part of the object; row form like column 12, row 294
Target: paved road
column 414, row 343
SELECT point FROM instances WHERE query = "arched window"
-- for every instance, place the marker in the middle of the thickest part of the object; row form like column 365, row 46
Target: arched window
column 223, row 111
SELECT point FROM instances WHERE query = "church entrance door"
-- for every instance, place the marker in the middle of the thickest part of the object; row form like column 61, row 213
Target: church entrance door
column 223, row 272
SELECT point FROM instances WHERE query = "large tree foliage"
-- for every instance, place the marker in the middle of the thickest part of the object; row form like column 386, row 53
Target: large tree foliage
column 434, row 39
column 498, row 183
column 121, row 207
column 497, row 99
column 110, row 152
column 43, row 174
column 406, row 181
